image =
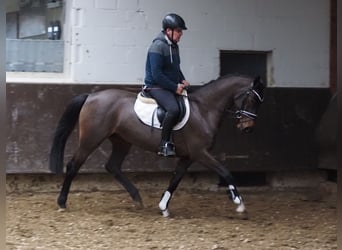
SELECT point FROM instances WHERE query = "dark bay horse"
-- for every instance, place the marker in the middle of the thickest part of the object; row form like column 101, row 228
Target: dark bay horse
column 109, row 114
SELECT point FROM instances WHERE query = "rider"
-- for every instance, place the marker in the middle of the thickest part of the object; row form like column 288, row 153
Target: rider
column 164, row 78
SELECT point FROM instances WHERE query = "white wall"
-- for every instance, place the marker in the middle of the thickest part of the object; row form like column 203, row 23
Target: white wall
column 108, row 39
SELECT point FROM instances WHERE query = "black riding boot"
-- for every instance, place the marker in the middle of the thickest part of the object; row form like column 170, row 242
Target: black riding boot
column 166, row 147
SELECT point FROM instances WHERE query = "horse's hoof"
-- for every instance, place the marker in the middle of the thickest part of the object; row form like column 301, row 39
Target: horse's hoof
column 243, row 215
column 165, row 213
column 61, row 204
column 61, row 209
column 138, row 205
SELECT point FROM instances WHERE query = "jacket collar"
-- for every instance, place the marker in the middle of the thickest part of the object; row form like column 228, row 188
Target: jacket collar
column 163, row 37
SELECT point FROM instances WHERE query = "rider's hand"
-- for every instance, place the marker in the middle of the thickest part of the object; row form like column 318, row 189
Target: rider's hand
column 185, row 83
column 180, row 88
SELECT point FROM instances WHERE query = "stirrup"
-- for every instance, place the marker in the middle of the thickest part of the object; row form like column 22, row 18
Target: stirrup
column 168, row 149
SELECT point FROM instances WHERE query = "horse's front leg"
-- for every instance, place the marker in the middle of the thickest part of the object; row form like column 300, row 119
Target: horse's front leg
column 210, row 162
column 182, row 166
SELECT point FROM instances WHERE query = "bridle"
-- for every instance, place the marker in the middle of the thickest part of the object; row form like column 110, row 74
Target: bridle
column 242, row 112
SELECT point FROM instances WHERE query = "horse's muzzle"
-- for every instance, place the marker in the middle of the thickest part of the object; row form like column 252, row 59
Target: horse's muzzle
column 245, row 124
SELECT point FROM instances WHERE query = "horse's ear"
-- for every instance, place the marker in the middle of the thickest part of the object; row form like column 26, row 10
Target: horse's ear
column 258, row 84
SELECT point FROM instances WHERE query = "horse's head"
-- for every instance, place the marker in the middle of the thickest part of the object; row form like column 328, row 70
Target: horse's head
column 247, row 103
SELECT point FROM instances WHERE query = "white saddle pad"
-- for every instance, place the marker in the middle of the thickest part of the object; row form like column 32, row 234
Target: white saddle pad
column 146, row 110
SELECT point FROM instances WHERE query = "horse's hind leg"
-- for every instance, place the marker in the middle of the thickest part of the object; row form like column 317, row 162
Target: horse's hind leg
column 72, row 169
column 178, row 174
column 120, row 149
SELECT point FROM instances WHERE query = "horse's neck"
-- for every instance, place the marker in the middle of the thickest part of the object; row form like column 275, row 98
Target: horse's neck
column 214, row 99
column 218, row 95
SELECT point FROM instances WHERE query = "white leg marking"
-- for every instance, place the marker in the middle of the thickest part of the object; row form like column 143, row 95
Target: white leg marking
column 235, row 198
column 163, row 203
column 241, row 208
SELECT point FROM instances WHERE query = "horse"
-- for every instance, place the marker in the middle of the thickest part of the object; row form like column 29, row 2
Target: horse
column 109, row 114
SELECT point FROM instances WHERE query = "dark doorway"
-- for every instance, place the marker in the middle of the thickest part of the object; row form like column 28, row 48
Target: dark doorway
column 251, row 63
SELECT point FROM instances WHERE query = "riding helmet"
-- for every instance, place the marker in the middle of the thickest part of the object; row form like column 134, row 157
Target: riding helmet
column 173, row 21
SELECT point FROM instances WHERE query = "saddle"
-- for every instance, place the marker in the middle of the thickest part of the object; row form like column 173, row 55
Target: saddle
column 150, row 113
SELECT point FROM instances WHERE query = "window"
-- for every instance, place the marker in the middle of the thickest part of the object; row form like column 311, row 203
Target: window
column 34, row 40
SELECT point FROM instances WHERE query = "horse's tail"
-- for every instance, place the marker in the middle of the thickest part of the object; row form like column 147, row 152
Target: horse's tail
column 65, row 126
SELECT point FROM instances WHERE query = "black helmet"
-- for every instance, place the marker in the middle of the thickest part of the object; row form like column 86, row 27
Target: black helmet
column 173, row 21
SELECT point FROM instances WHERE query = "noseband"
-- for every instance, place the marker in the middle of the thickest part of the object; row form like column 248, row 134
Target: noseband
column 242, row 112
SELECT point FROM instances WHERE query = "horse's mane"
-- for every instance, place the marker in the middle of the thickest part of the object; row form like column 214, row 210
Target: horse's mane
column 225, row 77
column 220, row 78
column 195, row 95
column 230, row 76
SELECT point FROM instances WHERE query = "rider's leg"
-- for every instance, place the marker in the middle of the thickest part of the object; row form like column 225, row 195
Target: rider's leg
column 167, row 100
column 166, row 146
